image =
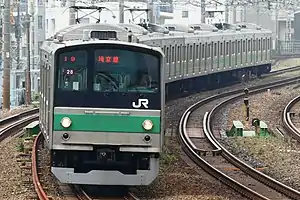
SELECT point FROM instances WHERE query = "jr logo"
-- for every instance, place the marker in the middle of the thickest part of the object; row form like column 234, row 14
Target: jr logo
column 141, row 102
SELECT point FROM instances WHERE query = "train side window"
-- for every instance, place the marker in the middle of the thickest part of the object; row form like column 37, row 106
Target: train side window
column 227, row 48
column 172, row 55
column 184, row 53
column 190, row 52
column 167, row 55
column 215, row 49
column 178, row 53
column 249, row 45
column 194, row 51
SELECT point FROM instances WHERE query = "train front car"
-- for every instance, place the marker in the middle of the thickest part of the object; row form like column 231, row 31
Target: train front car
column 107, row 113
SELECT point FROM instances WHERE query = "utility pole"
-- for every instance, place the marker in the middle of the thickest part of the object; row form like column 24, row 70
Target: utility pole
column 234, row 14
column 244, row 19
column 72, row 13
column 18, row 37
column 203, row 12
column 257, row 12
column 32, row 34
column 227, row 11
column 27, row 71
column 6, row 55
column 276, row 27
column 121, row 11
column 150, row 12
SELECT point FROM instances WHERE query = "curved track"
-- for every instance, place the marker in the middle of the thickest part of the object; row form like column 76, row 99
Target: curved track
column 79, row 192
column 13, row 124
column 266, row 188
column 287, row 119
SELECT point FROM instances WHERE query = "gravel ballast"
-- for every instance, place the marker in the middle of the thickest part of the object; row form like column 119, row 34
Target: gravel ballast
column 279, row 156
column 177, row 179
column 5, row 113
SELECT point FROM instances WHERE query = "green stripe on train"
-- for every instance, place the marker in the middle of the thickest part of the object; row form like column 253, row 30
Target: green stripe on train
column 106, row 123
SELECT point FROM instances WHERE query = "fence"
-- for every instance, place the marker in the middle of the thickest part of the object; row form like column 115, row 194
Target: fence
column 287, row 49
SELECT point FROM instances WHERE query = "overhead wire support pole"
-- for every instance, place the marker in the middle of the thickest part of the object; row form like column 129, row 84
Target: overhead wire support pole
column 121, row 11
column 6, row 55
column 227, row 11
column 203, row 11
column 234, row 14
column 72, row 17
column 150, row 12
column 18, row 36
column 27, row 71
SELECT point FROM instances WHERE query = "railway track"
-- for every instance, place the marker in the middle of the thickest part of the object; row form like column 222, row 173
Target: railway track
column 287, row 119
column 77, row 190
column 11, row 125
column 200, row 143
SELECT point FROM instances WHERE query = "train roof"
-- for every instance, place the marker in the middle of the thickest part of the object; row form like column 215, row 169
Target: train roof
column 52, row 46
column 136, row 33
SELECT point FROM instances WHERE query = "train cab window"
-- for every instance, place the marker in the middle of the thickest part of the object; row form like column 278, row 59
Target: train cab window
column 118, row 70
column 72, row 71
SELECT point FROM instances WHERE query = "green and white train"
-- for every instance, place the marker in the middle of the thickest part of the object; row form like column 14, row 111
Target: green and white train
column 103, row 90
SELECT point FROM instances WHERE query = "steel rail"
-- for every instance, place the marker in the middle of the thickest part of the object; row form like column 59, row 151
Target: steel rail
column 287, row 121
column 193, row 152
column 82, row 195
column 276, row 185
column 37, row 185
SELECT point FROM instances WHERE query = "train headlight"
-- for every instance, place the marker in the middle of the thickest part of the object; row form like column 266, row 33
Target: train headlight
column 66, row 122
column 147, row 125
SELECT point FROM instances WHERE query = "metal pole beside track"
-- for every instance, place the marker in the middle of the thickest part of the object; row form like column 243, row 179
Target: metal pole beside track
column 27, row 71
column 202, row 4
column 121, row 11
column 72, row 13
column 6, row 55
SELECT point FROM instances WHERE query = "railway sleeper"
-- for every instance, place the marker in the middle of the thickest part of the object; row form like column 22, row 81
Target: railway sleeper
column 202, row 152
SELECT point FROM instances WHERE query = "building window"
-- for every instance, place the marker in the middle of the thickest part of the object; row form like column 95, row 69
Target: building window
column 40, row 22
column 185, row 14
